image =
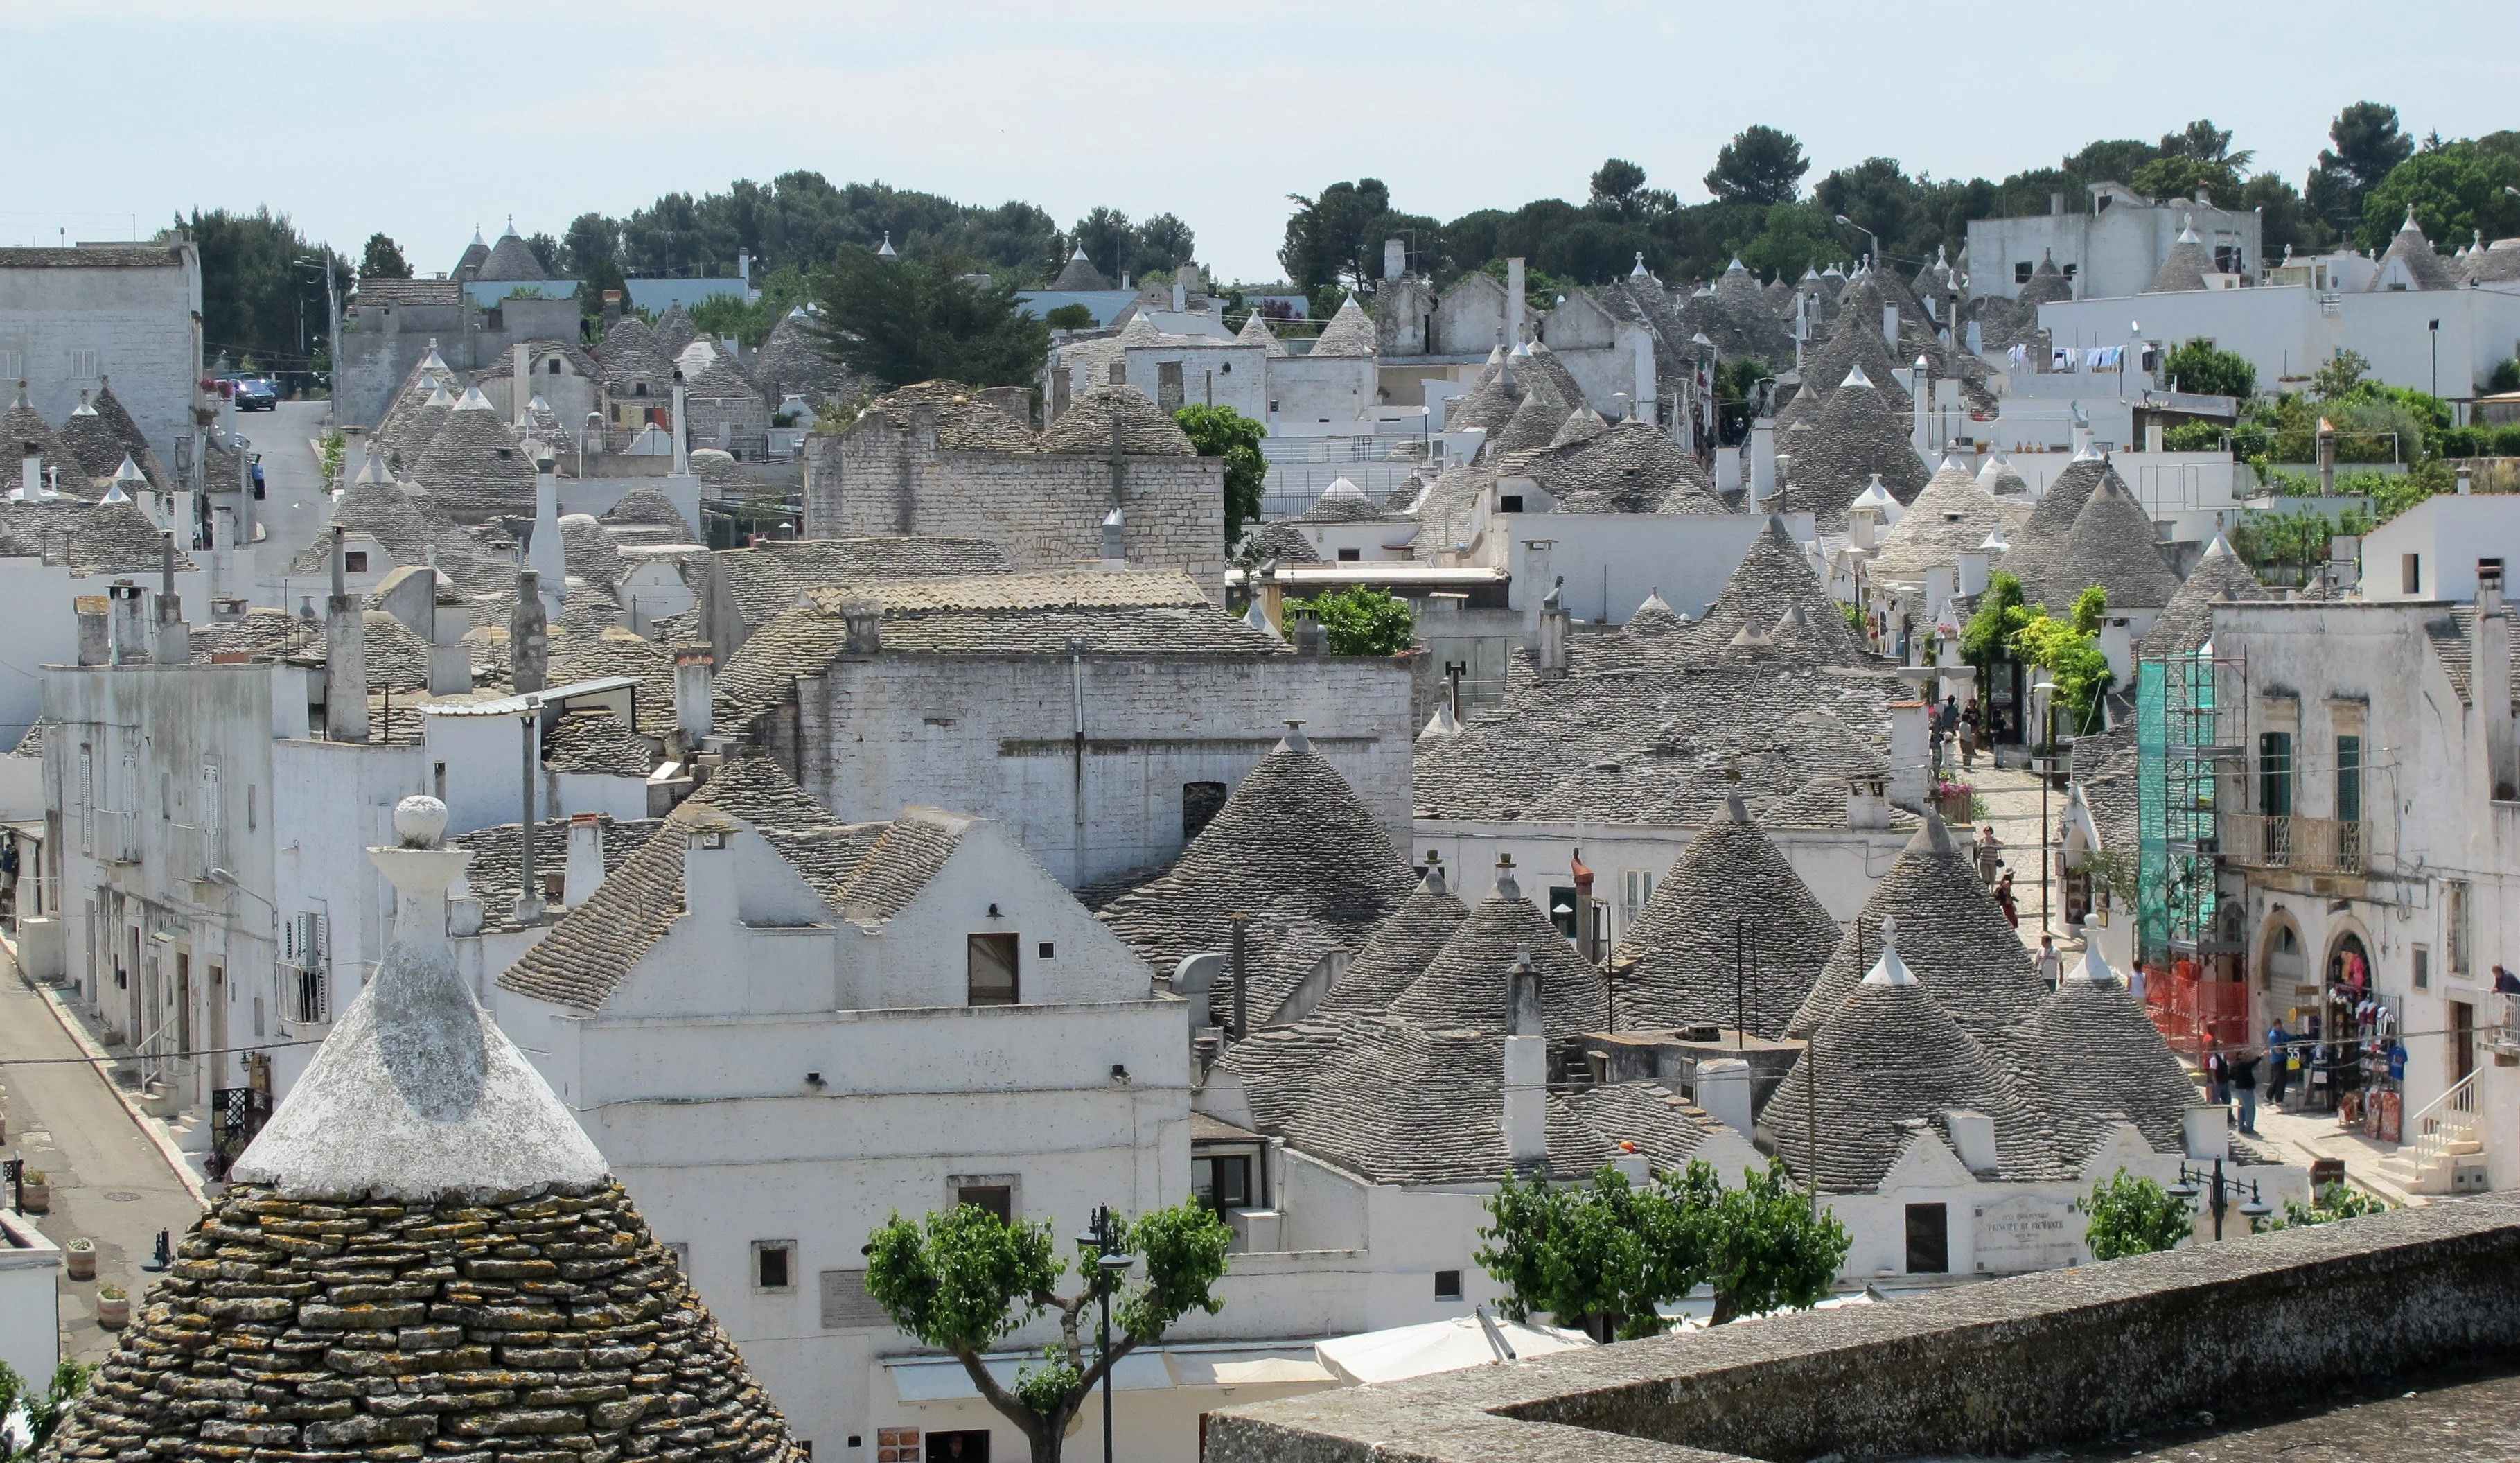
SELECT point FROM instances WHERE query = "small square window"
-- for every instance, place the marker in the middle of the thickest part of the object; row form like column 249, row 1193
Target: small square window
column 355, row 562
column 2021, row 271
column 1350, row 556
column 1448, row 1284
column 1049, row 950
column 997, row 1199
column 774, row 1264
column 1510, row 503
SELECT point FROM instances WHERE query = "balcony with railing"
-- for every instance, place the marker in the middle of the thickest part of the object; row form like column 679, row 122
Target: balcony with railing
column 2288, row 841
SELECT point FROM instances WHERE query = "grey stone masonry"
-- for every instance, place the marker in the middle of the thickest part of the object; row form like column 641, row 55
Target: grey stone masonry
column 548, row 1329
column 1045, row 509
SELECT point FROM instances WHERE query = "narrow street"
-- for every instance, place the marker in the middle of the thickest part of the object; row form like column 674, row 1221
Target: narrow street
column 296, row 502
column 109, row 1183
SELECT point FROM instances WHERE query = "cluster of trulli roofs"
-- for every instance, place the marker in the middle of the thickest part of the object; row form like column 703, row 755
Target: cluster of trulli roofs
column 970, row 849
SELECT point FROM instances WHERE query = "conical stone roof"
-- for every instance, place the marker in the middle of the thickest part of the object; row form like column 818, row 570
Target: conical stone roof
column 631, row 354
column 1950, row 932
column 475, row 467
column 1349, row 333
column 1464, row 984
column 1887, row 1065
column 2183, row 268
column 2111, row 545
column 2092, row 1055
column 2048, row 282
column 790, row 364
column 2057, row 508
column 1401, row 948
column 1296, row 850
column 1144, row 428
column 119, row 538
column 422, row 1207
column 1080, row 274
column 2410, row 246
column 1256, row 332
column 404, row 440
column 675, row 330
column 2183, row 628
column 21, row 424
column 93, row 445
column 1533, row 425
column 1773, row 579
column 1730, row 907
column 126, row 431
column 1951, row 517
column 1857, row 436
column 1634, row 464
column 511, row 259
column 1490, row 402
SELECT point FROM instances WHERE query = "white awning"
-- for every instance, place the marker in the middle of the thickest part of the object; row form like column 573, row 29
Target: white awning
column 942, row 1379
column 1436, row 1347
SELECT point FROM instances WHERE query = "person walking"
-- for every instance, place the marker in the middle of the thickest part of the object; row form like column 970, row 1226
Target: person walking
column 1987, row 860
column 2243, row 1068
column 2052, row 965
column 2217, row 1080
column 2279, row 1063
column 2004, row 900
column 1969, row 736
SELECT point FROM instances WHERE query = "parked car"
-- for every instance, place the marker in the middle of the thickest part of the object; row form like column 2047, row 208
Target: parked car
column 255, row 394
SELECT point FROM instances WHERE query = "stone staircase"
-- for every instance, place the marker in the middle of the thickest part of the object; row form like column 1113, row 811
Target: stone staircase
column 2444, row 1153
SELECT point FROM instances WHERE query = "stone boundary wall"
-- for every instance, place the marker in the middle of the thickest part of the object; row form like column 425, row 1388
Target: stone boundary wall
column 2041, row 1361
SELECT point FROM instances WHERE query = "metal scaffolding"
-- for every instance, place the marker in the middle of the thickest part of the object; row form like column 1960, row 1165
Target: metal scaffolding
column 2189, row 715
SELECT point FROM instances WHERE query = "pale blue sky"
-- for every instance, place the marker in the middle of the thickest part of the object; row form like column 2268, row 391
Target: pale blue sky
column 420, row 120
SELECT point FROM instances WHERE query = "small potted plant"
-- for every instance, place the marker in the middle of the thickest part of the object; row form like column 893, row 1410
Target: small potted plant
column 1955, row 801
column 113, row 1308
column 81, row 1259
column 35, row 1195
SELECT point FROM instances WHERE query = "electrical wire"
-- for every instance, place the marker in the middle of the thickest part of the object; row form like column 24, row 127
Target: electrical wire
column 221, row 1051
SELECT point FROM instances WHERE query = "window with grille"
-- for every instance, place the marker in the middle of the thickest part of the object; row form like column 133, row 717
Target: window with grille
column 83, row 365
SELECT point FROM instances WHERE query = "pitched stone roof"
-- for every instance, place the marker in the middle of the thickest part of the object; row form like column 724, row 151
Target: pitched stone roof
column 2183, row 268
column 630, row 354
column 773, row 573
column 1773, row 579
column 496, row 874
column 1255, row 331
column 1739, row 318
column 21, row 424
column 1884, row 1067
column 1350, row 332
column 1950, row 933
column 1951, row 517
column 1399, row 948
column 474, row 466
column 1855, row 436
column 1281, row 542
column 2090, row 1055
column 1534, row 424
column 1464, row 984
column 1730, row 935
column 2188, row 624
column 589, row 552
column 2111, row 545
column 403, row 436
column 1144, row 428
column 1447, row 510
column 261, row 631
column 390, row 516
column 119, row 538
column 674, row 330
column 2048, row 282
column 1294, row 849
column 596, row 744
column 2410, row 246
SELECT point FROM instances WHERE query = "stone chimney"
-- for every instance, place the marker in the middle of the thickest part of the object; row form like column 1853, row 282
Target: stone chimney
column 1312, row 637
column 1920, row 434
column 1116, row 547
column 1551, row 660
column 31, row 472
column 865, row 621
column 1514, row 302
column 2056, row 204
column 520, row 382
column 174, row 637
column 1526, row 1069
column 1890, row 325
column 1395, row 259
column 130, row 624
column 1974, row 565
column 584, row 869
column 2490, row 674
column 1722, row 1089
column 681, row 439
column 346, row 659
column 1763, row 460
column 95, row 632
column 1911, row 753
column 528, row 638
column 1972, row 1140
column 2117, row 644
column 1868, row 803
column 695, row 675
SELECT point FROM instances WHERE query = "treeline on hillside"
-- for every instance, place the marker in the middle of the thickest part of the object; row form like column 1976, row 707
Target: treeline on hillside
column 1761, row 212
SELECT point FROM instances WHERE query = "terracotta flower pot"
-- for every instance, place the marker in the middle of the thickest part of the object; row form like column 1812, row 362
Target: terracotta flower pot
column 80, row 1257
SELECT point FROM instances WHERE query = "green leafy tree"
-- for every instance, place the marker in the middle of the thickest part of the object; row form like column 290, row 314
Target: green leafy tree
column 2367, row 145
column 2134, row 1215
column 1110, row 242
column 2175, row 177
column 2001, row 614
column 1759, row 165
column 1329, row 236
column 2197, row 365
column 1606, row 1255
column 963, row 1280
column 382, row 260
column 262, row 286
column 1070, row 318
column 1223, row 431
column 2505, row 376
column 2339, row 374
column 2069, row 651
column 909, row 320
column 43, row 1410
column 546, row 251
column 2284, row 219
column 1362, row 620
column 2453, row 191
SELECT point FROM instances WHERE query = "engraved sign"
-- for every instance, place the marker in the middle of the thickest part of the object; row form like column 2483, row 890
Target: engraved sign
column 2026, row 1233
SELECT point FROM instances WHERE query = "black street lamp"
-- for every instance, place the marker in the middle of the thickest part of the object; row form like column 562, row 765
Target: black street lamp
column 2219, row 1192
column 1102, row 1237
column 2434, row 327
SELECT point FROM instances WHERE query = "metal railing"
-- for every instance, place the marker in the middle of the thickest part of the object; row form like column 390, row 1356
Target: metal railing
column 2285, row 841
column 306, row 993
column 2445, row 1120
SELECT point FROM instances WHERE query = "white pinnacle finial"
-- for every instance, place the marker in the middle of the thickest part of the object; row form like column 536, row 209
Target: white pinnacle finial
column 1889, row 970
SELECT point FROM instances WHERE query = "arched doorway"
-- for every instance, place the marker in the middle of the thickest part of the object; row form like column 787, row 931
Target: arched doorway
column 2351, row 1017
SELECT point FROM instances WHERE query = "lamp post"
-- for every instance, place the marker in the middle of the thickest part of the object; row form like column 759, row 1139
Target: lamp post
column 1866, row 233
column 2044, row 695
column 2219, row 1193
column 2432, row 328
column 1103, row 1238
